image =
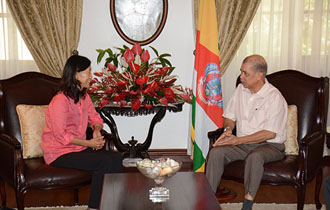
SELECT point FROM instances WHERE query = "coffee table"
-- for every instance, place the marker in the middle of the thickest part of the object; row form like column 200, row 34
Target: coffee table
column 188, row 190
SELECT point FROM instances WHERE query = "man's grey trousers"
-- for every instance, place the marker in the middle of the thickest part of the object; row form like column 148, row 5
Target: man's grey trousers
column 254, row 156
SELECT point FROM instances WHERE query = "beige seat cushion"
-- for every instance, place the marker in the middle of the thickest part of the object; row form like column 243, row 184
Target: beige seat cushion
column 32, row 122
column 291, row 144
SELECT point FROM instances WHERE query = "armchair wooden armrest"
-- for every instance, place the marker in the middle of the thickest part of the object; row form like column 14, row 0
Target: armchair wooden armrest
column 214, row 135
column 311, row 151
column 109, row 138
column 11, row 153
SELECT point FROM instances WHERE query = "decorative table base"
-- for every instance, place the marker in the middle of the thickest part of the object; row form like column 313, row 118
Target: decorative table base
column 133, row 149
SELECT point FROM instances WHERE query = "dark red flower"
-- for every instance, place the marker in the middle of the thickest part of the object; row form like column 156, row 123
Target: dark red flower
column 133, row 92
column 165, row 69
column 122, row 82
column 117, row 98
column 137, row 49
column 151, row 88
column 169, row 83
column 99, row 74
column 145, row 56
column 92, row 82
column 154, row 86
column 147, row 106
column 123, row 103
column 134, row 67
column 164, row 101
column 162, row 71
column 108, row 89
column 186, row 97
column 112, row 67
column 141, row 81
column 103, row 103
column 120, row 97
column 128, row 55
column 136, row 103
column 169, row 93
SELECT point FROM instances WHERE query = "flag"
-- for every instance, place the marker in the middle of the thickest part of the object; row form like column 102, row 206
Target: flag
column 207, row 107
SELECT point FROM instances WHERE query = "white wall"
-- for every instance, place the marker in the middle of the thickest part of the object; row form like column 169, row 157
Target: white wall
column 177, row 38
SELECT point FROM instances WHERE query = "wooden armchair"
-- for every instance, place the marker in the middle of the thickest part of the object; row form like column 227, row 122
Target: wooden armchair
column 311, row 96
column 30, row 88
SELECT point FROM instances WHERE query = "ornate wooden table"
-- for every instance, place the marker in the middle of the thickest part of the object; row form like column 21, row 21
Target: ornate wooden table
column 133, row 149
column 188, row 190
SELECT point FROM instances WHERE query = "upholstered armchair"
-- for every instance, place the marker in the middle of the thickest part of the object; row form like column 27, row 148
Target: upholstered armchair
column 25, row 174
column 311, row 96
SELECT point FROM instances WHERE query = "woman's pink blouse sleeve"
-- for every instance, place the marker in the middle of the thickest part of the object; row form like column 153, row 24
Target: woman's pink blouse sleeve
column 93, row 117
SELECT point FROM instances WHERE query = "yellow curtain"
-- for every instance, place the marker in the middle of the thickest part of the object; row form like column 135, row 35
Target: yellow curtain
column 50, row 29
column 234, row 18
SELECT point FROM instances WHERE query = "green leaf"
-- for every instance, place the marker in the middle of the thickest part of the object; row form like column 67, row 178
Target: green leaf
column 162, row 62
column 109, row 51
column 155, row 51
column 160, row 93
column 167, row 62
column 99, row 50
column 94, row 97
column 100, row 56
column 165, row 55
column 115, row 60
column 171, row 70
column 154, row 100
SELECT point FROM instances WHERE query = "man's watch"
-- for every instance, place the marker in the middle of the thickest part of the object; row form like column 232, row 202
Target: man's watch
column 226, row 129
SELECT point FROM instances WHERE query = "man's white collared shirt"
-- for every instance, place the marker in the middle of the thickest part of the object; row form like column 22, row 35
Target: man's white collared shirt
column 253, row 112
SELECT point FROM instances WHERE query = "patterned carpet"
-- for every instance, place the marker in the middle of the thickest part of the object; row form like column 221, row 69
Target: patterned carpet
column 274, row 206
column 225, row 206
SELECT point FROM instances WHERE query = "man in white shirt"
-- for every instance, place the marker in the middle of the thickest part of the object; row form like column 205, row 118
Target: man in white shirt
column 259, row 113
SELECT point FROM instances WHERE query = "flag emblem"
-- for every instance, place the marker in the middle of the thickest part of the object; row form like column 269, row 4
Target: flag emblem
column 209, row 86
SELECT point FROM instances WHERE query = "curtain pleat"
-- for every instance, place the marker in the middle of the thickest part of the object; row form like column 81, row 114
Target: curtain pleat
column 50, row 29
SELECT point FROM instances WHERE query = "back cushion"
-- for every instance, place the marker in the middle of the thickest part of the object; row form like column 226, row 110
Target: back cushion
column 32, row 121
column 291, row 143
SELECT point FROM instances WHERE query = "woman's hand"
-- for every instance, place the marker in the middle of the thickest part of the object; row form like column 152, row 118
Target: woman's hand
column 96, row 143
column 97, row 131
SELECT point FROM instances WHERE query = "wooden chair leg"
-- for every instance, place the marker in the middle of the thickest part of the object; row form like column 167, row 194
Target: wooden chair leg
column 76, row 197
column 3, row 193
column 19, row 200
column 301, row 193
column 318, row 184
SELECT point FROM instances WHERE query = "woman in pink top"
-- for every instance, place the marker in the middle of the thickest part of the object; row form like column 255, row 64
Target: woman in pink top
column 64, row 138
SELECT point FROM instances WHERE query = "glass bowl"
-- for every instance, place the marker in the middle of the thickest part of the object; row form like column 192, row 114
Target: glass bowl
column 159, row 170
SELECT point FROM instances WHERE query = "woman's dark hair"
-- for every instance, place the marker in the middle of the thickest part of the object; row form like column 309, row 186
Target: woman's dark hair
column 70, row 86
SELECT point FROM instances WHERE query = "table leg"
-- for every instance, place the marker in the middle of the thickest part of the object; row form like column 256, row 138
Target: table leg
column 132, row 149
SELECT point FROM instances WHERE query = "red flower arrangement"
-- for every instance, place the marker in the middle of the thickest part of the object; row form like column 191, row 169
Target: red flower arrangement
column 130, row 78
